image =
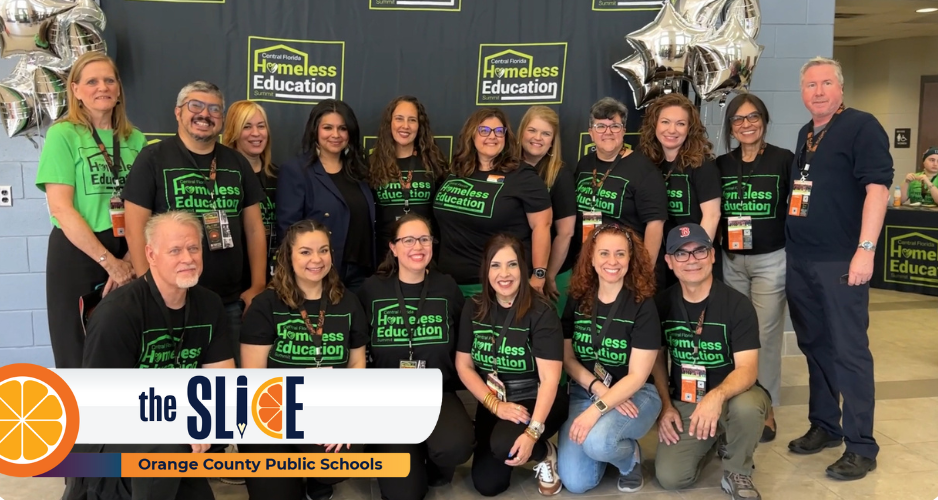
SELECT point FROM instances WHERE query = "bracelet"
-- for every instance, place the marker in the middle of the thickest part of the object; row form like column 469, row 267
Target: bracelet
column 531, row 434
column 590, row 388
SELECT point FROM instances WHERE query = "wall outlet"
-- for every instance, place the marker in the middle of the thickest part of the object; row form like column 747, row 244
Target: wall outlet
column 6, row 196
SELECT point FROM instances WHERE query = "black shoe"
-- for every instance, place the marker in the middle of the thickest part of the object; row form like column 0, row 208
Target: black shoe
column 321, row 492
column 768, row 434
column 814, row 441
column 438, row 476
column 851, row 466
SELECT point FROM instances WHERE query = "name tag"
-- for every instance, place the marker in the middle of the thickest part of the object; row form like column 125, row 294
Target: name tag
column 739, row 232
column 600, row 371
column 693, row 383
column 497, row 386
column 800, row 198
column 591, row 220
column 415, row 364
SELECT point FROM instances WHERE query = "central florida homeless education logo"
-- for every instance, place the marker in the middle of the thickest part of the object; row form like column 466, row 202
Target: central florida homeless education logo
column 295, row 71
column 38, row 420
column 911, row 256
column 521, row 73
column 427, row 5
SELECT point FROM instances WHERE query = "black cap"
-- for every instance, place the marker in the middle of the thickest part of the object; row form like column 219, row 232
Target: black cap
column 930, row 151
column 687, row 233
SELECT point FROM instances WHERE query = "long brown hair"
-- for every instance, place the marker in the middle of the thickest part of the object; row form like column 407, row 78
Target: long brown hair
column 548, row 169
column 238, row 114
column 389, row 265
column 640, row 278
column 284, row 280
column 467, row 158
column 696, row 147
column 383, row 167
column 485, row 300
column 76, row 112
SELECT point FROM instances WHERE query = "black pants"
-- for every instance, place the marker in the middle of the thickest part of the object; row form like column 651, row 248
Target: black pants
column 495, row 438
column 449, row 445
column 143, row 488
column 289, row 488
column 831, row 321
column 69, row 275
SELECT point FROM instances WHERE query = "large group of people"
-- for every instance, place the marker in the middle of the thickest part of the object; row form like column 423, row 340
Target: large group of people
column 642, row 287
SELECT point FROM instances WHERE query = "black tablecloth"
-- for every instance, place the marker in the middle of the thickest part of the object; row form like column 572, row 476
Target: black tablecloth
column 907, row 251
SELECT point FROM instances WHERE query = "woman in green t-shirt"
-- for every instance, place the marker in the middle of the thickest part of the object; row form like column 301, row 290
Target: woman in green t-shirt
column 82, row 168
column 919, row 187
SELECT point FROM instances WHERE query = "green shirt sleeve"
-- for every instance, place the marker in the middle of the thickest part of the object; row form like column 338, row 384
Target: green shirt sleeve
column 57, row 163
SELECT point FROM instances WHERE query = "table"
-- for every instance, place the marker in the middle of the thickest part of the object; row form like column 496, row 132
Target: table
column 907, row 251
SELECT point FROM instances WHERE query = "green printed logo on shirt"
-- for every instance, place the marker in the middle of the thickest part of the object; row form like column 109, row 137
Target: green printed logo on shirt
column 392, row 194
column 97, row 178
column 612, row 352
column 678, row 195
column 159, row 348
column 186, row 189
column 468, row 196
column 295, row 346
column 712, row 354
column 608, row 198
column 755, row 203
column 269, row 214
column 513, row 352
column 389, row 329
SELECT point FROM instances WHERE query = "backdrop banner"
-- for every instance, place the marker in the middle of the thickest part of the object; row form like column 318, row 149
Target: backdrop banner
column 453, row 55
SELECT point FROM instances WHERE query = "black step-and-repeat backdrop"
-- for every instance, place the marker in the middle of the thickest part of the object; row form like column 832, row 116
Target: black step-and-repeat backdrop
column 454, row 55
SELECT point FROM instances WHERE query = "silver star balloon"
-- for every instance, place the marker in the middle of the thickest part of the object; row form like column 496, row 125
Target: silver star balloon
column 663, row 45
column 29, row 26
column 17, row 101
column 724, row 61
column 51, row 94
column 748, row 13
column 632, row 68
column 701, row 13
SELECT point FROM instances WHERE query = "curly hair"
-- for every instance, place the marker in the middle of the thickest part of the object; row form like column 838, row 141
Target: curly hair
column 696, row 147
column 383, row 162
column 640, row 278
column 284, row 280
column 467, row 159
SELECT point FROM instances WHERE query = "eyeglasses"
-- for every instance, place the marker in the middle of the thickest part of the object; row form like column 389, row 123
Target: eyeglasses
column 601, row 127
column 699, row 253
column 409, row 241
column 753, row 117
column 486, row 131
column 196, row 106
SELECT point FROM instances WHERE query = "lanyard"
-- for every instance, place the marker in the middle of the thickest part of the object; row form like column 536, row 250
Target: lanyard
column 700, row 321
column 405, row 188
column 598, row 184
column 501, row 334
column 594, row 336
column 670, row 170
column 405, row 314
column 316, row 333
column 740, row 182
column 114, row 165
column 155, row 292
column 810, row 145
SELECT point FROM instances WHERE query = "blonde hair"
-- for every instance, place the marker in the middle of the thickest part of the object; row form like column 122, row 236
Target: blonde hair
column 238, row 114
column 77, row 114
column 177, row 216
column 552, row 168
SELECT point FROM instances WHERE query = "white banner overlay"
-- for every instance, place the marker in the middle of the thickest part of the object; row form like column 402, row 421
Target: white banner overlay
column 370, row 406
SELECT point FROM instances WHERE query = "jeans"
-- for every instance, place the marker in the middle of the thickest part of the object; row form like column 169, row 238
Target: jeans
column 761, row 278
column 234, row 312
column 613, row 440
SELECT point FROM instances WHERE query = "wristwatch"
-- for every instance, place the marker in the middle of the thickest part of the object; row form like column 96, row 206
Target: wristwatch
column 601, row 406
column 540, row 273
column 536, row 427
column 869, row 246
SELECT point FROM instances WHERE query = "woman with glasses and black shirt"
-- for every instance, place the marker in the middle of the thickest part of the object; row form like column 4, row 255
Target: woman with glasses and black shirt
column 510, row 356
column 405, row 292
column 756, row 184
column 488, row 191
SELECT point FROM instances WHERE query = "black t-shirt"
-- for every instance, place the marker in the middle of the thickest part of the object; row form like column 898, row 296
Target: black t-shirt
column 563, row 205
column 167, row 176
column 688, row 188
column 764, row 185
column 730, row 326
column 269, row 217
column 271, row 322
column 436, row 329
column 634, row 326
column 128, row 330
column 390, row 198
column 358, row 241
column 537, row 335
column 470, row 210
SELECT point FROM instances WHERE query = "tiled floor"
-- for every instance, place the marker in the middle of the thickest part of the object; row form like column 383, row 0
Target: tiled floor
column 904, row 341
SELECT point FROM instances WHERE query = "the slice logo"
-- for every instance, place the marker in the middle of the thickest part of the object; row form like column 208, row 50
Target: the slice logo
column 626, row 5
column 444, row 142
column 267, row 408
column 587, row 145
column 524, row 73
column 428, row 5
column 295, row 71
column 38, row 420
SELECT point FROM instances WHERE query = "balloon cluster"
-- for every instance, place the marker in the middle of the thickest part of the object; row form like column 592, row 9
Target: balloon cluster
column 686, row 43
column 50, row 35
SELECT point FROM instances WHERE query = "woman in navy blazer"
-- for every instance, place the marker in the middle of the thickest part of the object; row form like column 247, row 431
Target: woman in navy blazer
column 326, row 183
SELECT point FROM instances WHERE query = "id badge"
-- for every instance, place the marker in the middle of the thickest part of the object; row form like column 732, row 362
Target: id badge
column 226, row 239
column 693, row 383
column 413, row 364
column 602, row 374
column 212, row 230
column 591, row 220
column 739, row 231
column 800, row 197
column 497, row 386
column 496, row 178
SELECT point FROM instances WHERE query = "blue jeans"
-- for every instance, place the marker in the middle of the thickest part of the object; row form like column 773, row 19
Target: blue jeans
column 234, row 312
column 612, row 440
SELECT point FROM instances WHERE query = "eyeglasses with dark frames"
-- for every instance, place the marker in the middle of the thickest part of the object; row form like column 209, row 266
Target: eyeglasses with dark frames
column 196, row 106
column 410, row 241
column 754, row 117
column 699, row 253
column 487, row 131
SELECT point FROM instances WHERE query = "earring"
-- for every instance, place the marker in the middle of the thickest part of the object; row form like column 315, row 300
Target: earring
column 346, row 149
column 317, row 150
column 81, row 104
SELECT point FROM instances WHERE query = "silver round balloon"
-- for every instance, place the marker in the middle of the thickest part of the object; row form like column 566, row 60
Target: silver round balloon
column 51, row 93
column 17, row 101
column 725, row 61
column 748, row 13
column 701, row 13
column 27, row 27
column 663, row 45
